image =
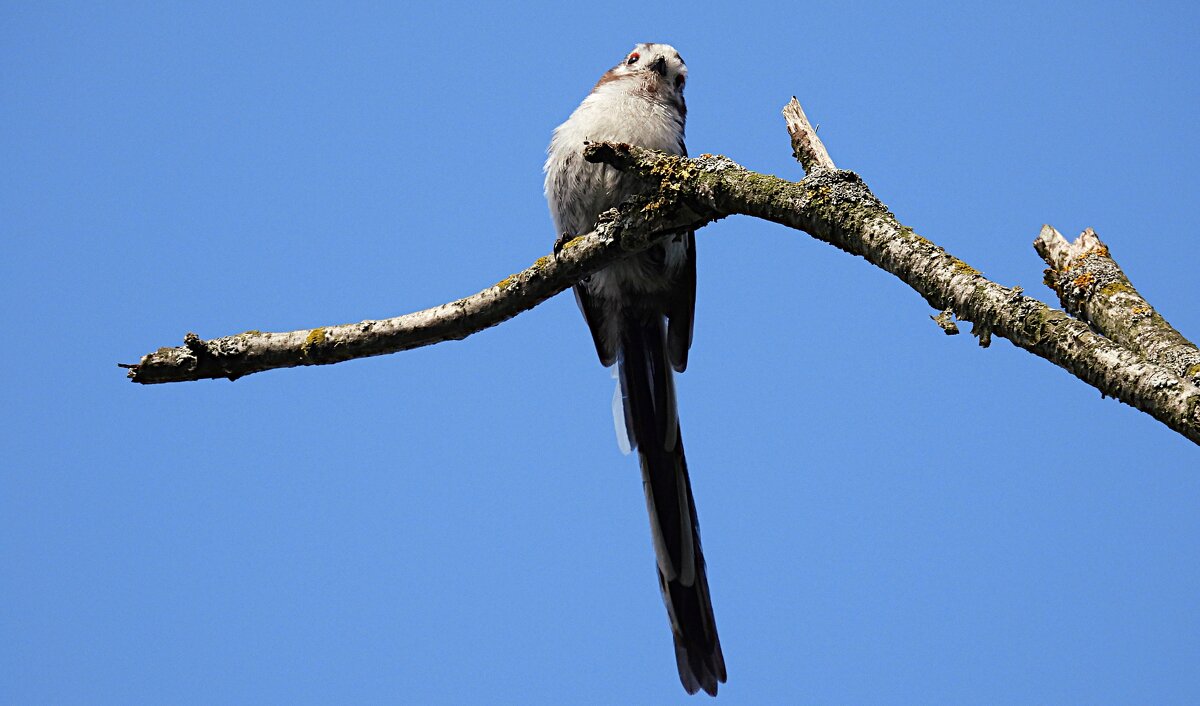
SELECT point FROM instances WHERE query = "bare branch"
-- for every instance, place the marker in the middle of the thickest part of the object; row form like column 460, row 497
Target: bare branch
column 838, row 208
column 832, row 205
column 807, row 148
column 1091, row 285
column 632, row 228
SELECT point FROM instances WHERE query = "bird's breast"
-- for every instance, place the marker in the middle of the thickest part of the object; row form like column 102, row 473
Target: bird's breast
column 579, row 191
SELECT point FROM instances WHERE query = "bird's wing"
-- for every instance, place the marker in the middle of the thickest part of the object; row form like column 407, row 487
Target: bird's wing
column 597, row 322
column 681, row 308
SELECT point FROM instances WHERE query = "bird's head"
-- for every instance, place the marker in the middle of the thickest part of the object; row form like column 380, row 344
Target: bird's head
column 658, row 68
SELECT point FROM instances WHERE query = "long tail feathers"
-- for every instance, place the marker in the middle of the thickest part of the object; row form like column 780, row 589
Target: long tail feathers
column 648, row 392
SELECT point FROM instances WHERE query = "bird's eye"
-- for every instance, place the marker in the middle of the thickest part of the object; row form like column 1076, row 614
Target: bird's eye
column 633, row 58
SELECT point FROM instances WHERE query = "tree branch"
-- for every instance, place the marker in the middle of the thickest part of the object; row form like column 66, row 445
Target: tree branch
column 633, row 227
column 807, row 148
column 1091, row 285
column 831, row 205
column 838, row 208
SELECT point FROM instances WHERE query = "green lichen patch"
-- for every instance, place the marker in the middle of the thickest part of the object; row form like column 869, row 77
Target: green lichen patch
column 1192, row 410
column 909, row 234
column 673, row 174
column 961, row 267
column 1115, row 287
column 672, row 171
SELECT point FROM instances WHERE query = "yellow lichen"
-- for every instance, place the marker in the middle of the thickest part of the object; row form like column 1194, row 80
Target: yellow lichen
column 316, row 337
column 654, row 205
column 1083, row 281
column 962, row 267
column 542, row 262
column 1114, row 287
column 504, row 283
column 672, row 173
column 906, row 232
column 1098, row 251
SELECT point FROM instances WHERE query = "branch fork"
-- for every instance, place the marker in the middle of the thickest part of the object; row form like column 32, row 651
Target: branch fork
column 1107, row 335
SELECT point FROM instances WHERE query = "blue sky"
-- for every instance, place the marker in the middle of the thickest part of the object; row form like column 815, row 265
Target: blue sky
column 890, row 515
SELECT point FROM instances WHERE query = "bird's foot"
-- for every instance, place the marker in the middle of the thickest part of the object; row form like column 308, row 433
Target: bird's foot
column 562, row 242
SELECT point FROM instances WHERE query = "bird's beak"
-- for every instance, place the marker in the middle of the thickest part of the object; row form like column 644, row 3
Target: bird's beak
column 659, row 66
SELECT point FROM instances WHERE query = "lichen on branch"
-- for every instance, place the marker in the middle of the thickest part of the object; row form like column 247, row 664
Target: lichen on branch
column 834, row 206
column 1091, row 285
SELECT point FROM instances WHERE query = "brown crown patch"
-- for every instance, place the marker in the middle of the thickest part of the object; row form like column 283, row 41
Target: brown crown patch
column 610, row 76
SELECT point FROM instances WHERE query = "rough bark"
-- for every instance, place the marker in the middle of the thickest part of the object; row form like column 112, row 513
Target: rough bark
column 1091, row 285
column 838, row 208
column 831, row 205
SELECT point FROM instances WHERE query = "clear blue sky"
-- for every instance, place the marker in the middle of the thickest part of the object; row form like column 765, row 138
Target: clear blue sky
column 890, row 515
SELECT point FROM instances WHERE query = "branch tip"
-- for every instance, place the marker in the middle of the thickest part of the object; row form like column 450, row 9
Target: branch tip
column 831, row 205
column 807, row 148
column 1092, row 287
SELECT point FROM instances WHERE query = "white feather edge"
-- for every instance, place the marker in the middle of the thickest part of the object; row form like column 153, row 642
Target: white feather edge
column 618, row 411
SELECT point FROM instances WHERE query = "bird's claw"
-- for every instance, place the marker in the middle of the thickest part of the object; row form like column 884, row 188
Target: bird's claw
column 561, row 242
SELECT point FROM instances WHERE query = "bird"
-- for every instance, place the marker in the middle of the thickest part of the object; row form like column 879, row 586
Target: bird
column 640, row 311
